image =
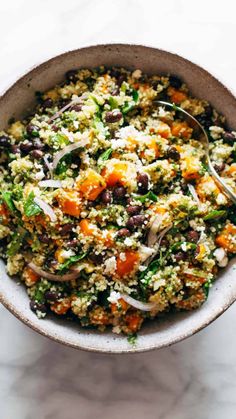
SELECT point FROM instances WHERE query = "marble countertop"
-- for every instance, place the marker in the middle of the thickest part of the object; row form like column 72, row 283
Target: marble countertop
column 193, row 379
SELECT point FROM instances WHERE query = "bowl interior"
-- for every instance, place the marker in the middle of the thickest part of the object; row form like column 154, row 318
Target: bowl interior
column 18, row 101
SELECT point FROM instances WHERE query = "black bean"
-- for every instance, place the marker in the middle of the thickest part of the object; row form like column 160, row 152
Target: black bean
column 184, row 185
column 34, row 306
column 173, row 154
column 15, row 149
column 143, row 183
column 5, row 141
column 229, row 137
column 32, row 130
column 52, row 296
column 208, row 110
column 55, row 128
column 96, row 258
column 37, row 144
column 72, row 75
column 164, row 242
column 119, row 192
column 36, row 154
column 115, row 72
column 121, row 79
column 133, row 209
column 135, row 221
column 72, row 243
column 44, row 238
column 106, row 197
column 180, row 256
column 47, row 103
column 192, row 236
column 219, row 167
column 26, row 146
column 66, row 228
column 123, row 232
column 175, row 81
column 113, row 116
column 77, row 107
column 204, row 120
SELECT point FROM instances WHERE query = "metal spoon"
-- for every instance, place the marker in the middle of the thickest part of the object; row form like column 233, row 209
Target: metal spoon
column 199, row 131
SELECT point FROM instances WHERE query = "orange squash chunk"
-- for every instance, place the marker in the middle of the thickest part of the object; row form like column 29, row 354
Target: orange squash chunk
column 181, row 129
column 225, row 239
column 69, row 203
column 117, row 174
column 91, row 184
column 125, row 267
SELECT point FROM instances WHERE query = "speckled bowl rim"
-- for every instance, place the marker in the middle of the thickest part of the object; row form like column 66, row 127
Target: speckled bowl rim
column 132, row 349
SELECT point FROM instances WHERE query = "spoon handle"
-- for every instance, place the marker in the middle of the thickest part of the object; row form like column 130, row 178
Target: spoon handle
column 219, row 179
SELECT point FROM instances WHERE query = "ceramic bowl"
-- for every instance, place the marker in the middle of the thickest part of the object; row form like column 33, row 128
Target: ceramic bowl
column 20, row 98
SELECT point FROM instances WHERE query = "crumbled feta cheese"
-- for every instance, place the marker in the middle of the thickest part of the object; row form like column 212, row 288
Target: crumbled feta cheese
column 67, row 253
column 145, row 252
column 221, row 257
column 119, row 143
column 114, row 297
column 221, row 199
column 216, row 132
column 110, row 265
column 122, row 256
column 159, row 283
column 128, row 242
column 184, row 247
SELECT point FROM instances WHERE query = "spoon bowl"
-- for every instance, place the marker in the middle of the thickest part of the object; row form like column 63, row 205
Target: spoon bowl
column 201, row 134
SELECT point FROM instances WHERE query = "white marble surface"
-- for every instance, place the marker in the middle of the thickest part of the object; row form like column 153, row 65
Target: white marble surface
column 194, row 379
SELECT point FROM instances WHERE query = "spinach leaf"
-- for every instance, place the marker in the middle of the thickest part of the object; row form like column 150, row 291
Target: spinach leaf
column 7, row 198
column 71, row 260
column 148, row 196
column 63, row 164
column 135, row 95
column 16, row 242
column 145, row 276
column 30, row 207
column 113, row 102
column 104, row 156
column 214, row 215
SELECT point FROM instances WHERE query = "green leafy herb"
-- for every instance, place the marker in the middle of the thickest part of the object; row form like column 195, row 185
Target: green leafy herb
column 104, row 156
column 132, row 339
column 30, row 207
column 113, row 102
column 150, row 196
column 135, row 95
column 7, row 198
column 70, row 261
column 16, row 242
column 64, row 164
column 214, row 215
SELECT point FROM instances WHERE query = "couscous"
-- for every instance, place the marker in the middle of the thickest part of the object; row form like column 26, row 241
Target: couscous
column 109, row 215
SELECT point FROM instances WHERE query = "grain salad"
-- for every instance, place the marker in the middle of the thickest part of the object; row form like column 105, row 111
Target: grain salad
column 109, row 215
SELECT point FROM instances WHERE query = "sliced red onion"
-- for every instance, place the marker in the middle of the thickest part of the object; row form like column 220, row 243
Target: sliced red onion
column 158, row 243
column 193, row 193
column 46, row 208
column 50, row 183
column 53, row 277
column 71, row 103
column 138, row 304
column 152, row 237
column 58, row 156
column 49, row 165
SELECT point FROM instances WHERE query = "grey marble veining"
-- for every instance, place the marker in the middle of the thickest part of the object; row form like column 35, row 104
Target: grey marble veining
column 195, row 379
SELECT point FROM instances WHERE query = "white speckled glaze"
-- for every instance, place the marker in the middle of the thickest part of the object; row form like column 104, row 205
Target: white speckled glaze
column 20, row 98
